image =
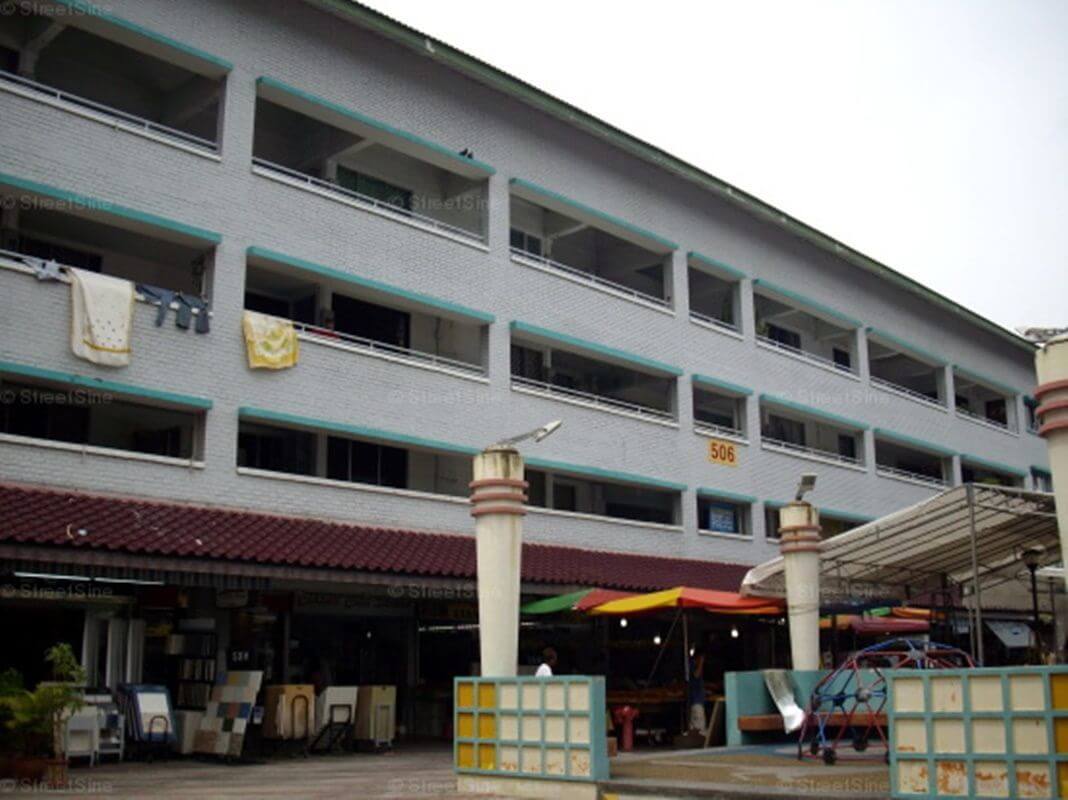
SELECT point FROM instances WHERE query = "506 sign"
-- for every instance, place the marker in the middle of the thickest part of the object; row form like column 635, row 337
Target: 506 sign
column 725, row 453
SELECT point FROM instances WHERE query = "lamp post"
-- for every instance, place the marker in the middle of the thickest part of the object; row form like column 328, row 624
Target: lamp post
column 799, row 540
column 1032, row 559
column 498, row 495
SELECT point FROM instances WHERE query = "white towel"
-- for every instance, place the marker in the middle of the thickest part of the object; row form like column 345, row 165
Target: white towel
column 101, row 318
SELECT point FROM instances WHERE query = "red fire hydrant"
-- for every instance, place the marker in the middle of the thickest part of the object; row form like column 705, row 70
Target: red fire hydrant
column 624, row 716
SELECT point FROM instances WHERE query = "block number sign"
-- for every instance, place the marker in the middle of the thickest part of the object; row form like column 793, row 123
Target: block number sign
column 721, row 452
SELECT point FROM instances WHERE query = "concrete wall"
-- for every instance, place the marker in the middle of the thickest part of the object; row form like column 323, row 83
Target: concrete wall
column 315, row 51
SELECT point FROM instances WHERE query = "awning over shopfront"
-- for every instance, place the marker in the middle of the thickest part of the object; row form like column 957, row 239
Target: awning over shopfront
column 716, row 602
column 581, row 600
column 53, row 529
column 969, row 539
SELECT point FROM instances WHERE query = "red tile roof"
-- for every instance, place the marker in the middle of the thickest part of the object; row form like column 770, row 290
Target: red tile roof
column 80, row 520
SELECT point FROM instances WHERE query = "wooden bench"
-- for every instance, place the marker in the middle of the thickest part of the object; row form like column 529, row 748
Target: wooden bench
column 754, row 723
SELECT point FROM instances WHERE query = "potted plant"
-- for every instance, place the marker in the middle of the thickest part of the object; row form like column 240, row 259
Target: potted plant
column 36, row 719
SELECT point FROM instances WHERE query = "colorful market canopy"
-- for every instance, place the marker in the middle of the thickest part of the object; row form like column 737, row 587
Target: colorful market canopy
column 684, row 597
column 581, row 600
column 552, row 605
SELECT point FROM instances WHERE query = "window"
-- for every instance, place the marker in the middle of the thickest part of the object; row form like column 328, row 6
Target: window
column 565, row 496
column 374, row 188
column 370, row 321
column 720, row 516
column 70, row 256
column 80, row 416
column 365, row 462
column 528, row 363
column 784, row 336
column 1031, row 406
column 995, row 410
column 639, row 513
column 1043, row 481
column 527, row 242
column 276, row 449
column 842, row 358
column 847, row 446
column 785, row 430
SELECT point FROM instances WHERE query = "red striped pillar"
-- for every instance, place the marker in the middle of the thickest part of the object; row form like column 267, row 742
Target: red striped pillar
column 1051, row 364
column 498, row 498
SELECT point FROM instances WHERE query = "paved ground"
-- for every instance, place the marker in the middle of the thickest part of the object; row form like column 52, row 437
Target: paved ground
column 417, row 773
column 750, row 772
column 424, row 772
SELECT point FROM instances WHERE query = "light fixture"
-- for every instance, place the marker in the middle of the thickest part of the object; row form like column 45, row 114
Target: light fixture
column 656, row 639
column 734, row 631
column 368, row 634
column 536, row 435
column 1032, row 556
column 692, row 651
column 623, row 622
column 807, row 484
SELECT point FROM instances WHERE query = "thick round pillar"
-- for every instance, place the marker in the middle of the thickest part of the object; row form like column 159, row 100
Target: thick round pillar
column 1051, row 364
column 799, row 539
column 498, row 495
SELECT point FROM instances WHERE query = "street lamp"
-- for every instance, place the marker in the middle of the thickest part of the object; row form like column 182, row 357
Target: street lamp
column 498, row 503
column 1032, row 559
column 807, row 484
column 537, row 435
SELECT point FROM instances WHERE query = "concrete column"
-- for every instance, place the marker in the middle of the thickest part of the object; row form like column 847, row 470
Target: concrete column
column 863, row 361
column 1051, row 365
column 498, row 496
column 799, row 532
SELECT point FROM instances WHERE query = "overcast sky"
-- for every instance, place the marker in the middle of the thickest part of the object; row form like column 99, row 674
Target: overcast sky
column 931, row 135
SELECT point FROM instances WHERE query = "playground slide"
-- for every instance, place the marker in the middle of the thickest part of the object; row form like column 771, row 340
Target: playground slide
column 782, row 692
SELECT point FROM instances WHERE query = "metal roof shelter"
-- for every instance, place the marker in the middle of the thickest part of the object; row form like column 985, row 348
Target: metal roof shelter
column 965, row 543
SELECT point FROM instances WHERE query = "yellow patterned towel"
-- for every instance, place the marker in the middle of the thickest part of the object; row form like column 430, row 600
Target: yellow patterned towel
column 101, row 318
column 271, row 341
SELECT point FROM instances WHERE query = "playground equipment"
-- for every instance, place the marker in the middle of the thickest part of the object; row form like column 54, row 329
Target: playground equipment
column 849, row 704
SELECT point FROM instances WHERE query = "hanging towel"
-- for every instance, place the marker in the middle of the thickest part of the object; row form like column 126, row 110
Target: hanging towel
column 271, row 341
column 101, row 317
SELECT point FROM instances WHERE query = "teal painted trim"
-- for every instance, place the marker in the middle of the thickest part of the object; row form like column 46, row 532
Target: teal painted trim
column 720, row 384
column 384, row 127
column 367, row 283
column 848, row 516
column 604, row 474
column 101, row 385
column 593, row 347
column 814, row 412
column 358, row 431
column 1041, row 470
column 906, row 346
column 815, row 305
column 997, row 466
column 990, row 383
column 719, row 266
column 832, row 513
column 106, row 206
column 87, row 9
column 720, row 494
column 901, row 438
column 622, row 223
